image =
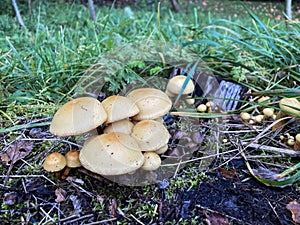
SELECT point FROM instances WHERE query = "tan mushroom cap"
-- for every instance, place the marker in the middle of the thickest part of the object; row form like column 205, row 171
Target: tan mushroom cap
column 297, row 142
column 123, row 126
column 289, row 105
column 111, row 154
column 54, row 162
column 78, row 116
column 162, row 150
column 175, row 84
column 72, row 158
column 152, row 161
column 119, row 107
column 153, row 103
column 150, row 135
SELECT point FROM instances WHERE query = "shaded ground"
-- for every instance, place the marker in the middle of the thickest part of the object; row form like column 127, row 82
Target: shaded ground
column 216, row 200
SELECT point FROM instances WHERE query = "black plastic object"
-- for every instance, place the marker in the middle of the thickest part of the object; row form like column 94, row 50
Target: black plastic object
column 226, row 94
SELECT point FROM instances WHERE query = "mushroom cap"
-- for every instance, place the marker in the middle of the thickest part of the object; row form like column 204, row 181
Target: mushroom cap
column 201, row 108
column 268, row 112
column 297, row 137
column 152, row 103
column 119, row 107
column 77, row 117
column 162, row 150
column 72, row 158
column 175, row 84
column 152, row 161
column 289, row 105
column 54, row 162
column 123, row 126
column 111, row 154
column 263, row 99
column 245, row 116
column 150, row 135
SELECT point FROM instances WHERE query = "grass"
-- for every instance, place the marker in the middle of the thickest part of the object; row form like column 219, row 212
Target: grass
column 40, row 68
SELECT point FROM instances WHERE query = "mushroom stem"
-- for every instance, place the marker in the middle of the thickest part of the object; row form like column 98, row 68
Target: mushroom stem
column 297, row 142
column 57, row 174
column 65, row 173
column 280, row 115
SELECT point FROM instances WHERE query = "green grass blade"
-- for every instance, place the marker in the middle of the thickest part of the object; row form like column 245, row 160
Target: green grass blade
column 188, row 77
column 19, row 57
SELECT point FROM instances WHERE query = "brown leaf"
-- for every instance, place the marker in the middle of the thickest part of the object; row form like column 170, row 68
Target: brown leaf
column 10, row 198
column 5, row 158
column 19, row 150
column 215, row 218
column 60, row 195
column 294, row 207
column 113, row 208
column 227, row 173
column 265, row 173
column 16, row 151
column 100, row 199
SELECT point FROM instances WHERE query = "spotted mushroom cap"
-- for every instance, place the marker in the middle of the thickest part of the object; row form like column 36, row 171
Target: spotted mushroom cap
column 150, row 135
column 54, row 162
column 153, row 103
column 111, row 154
column 78, row 116
column 119, row 108
column 152, row 161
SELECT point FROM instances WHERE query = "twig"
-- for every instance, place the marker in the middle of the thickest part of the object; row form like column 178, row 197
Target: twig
column 137, row 220
column 27, row 176
column 274, row 212
column 20, row 20
column 271, row 149
column 92, row 9
column 199, row 158
column 102, row 221
column 78, row 219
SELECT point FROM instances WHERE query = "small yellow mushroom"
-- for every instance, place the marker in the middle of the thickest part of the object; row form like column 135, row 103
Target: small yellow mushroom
column 245, row 116
column 201, row 108
column 268, row 112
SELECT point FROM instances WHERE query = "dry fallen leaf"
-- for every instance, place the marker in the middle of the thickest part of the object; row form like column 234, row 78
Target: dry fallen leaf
column 229, row 174
column 19, row 150
column 10, row 198
column 215, row 218
column 113, row 208
column 294, row 207
column 265, row 173
column 16, row 151
column 5, row 158
column 60, row 195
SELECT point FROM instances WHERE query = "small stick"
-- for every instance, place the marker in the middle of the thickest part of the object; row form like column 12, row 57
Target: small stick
column 18, row 14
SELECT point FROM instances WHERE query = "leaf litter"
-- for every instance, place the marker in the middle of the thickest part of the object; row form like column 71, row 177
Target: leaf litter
column 16, row 151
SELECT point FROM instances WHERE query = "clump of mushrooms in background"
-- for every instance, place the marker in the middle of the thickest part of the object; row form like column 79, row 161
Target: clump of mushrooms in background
column 288, row 108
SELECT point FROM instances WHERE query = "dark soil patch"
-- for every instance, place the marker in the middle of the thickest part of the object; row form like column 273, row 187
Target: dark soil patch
column 241, row 202
column 232, row 201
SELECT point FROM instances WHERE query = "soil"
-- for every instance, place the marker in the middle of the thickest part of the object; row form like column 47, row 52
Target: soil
column 218, row 199
column 239, row 202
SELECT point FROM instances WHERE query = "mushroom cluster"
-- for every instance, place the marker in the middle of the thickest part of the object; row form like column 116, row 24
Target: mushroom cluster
column 263, row 113
column 56, row 162
column 133, row 134
column 288, row 107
